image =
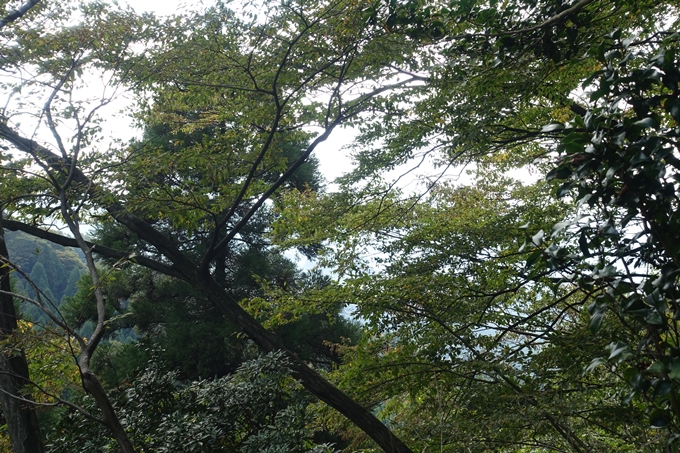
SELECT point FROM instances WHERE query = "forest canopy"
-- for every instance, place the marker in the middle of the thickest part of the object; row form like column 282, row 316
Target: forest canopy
column 497, row 272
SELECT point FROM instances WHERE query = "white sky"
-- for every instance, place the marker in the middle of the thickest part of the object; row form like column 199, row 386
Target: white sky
column 161, row 7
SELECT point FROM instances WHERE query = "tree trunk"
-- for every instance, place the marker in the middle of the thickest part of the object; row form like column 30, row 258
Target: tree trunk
column 183, row 268
column 18, row 13
column 94, row 388
column 310, row 379
column 22, row 421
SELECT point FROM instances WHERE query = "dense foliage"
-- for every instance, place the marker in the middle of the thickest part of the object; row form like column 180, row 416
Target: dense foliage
column 255, row 409
column 44, row 265
column 498, row 272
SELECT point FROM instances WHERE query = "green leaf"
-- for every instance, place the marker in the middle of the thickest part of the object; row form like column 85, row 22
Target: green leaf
column 659, row 419
column 588, row 81
column 656, row 368
column 639, row 158
column 564, row 189
column 537, row 238
column 531, row 259
column 594, row 364
column 653, row 317
column 559, row 173
column 647, row 123
column 606, row 272
column 674, row 372
column 662, row 388
column 552, row 127
column 615, row 349
column 596, row 321
column 672, row 106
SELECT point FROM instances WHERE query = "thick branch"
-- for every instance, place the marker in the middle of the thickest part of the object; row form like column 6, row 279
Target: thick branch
column 310, row 379
column 134, row 223
column 101, row 250
column 185, row 269
column 258, row 204
column 575, row 9
column 18, row 13
column 555, row 19
column 94, row 388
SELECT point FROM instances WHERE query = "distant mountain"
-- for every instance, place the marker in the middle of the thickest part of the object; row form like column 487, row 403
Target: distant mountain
column 52, row 268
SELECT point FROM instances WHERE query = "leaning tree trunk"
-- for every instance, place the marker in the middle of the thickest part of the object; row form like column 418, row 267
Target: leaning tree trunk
column 22, row 422
column 183, row 268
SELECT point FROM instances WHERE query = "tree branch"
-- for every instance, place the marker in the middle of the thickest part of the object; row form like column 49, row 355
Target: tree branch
column 18, row 13
column 185, row 269
column 58, row 401
column 117, row 211
column 556, row 18
column 101, row 250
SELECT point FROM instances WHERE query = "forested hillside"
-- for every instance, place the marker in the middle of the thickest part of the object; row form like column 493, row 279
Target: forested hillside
column 54, row 269
column 499, row 271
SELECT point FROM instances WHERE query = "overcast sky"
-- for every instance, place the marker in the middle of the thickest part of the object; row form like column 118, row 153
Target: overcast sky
column 161, row 7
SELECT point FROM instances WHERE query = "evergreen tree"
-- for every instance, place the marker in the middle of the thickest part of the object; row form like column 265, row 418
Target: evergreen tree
column 62, row 266
column 71, row 285
column 38, row 278
column 54, row 271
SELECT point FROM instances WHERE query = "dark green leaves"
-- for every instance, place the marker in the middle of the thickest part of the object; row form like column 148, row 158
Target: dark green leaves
column 597, row 311
column 620, row 158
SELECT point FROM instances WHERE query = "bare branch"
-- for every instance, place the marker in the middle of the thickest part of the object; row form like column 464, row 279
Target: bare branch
column 134, row 223
column 47, row 109
column 352, row 110
column 58, row 401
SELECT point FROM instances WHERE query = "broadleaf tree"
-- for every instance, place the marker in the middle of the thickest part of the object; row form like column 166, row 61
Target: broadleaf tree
column 619, row 160
column 505, row 84
column 468, row 315
column 258, row 78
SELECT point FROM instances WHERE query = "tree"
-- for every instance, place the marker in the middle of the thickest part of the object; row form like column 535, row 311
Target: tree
column 27, row 250
column 435, row 311
column 60, row 55
column 271, row 75
column 22, row 421
column 620, row 161
column 257, row 408
column 72, row 281
column 241, row 92
column 455, row 329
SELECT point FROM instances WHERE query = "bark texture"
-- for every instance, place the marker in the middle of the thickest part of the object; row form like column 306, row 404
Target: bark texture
column 22, row 421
